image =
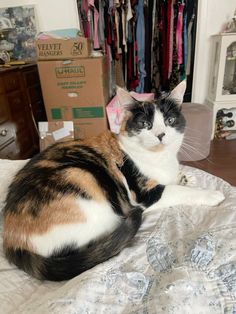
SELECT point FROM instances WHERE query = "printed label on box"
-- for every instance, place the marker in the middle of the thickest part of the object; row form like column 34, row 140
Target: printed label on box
column 46, row 49
column 87, row 112
column 72, row 71
column 72, row 84
column 77, row 49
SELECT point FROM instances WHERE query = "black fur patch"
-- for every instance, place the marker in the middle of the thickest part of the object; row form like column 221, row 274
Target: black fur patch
column 136, row 182
column 169, row 109
column 142, row 116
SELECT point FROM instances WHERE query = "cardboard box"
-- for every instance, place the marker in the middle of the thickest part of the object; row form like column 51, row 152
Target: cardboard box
column 89, row 127
column 63, row 48
column 84, row 127
column 52, row 132
column 70, row 83
column 76, row 90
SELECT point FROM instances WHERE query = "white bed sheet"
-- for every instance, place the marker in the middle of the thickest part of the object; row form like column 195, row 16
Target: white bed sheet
column 182, row 260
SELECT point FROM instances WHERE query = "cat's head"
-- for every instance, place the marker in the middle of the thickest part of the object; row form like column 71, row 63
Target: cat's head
column 156, row 123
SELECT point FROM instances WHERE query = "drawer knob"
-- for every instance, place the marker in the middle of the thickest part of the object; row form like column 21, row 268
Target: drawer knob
column 3, row 132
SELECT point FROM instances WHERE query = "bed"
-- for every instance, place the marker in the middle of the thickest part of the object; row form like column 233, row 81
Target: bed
column 182, row 260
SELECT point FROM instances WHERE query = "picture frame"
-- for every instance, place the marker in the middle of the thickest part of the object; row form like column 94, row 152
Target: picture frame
column 18, row 29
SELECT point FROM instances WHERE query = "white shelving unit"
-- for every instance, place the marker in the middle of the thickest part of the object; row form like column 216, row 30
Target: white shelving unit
column 222, row 82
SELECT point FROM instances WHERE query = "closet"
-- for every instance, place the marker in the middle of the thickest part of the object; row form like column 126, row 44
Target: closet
column 150, row 44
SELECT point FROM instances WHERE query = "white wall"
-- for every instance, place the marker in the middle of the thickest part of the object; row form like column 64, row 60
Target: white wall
column 50, row 14
column 212, row 16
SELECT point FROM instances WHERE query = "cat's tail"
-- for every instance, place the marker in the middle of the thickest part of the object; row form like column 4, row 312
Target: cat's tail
column 70, row 262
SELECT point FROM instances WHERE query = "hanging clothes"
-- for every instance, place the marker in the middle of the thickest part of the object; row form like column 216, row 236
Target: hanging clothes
column 149, row 10
column 188, row 66
column 155, row 80
column 140, row 35
column 174, row 78
column 149, row 43
column 101, row 24
column 84, row 18
column 179, row 34
column 171, row 34
column 185, row 41
column 94, row 9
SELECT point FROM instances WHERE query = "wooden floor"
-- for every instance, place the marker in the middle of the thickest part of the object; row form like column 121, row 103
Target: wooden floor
column 221, row 162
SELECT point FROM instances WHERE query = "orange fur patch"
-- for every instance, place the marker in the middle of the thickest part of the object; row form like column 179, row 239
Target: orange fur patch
column 156, row 148
column 133, row 195
column 107, row 145
column 46, row 163
column 86, row 182
column 150, row 184
column 18, row 228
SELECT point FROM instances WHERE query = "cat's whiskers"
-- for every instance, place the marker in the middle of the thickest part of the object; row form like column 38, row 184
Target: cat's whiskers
column 192, row 139
column 186, row 146
column 185, row 153
column 192, row 130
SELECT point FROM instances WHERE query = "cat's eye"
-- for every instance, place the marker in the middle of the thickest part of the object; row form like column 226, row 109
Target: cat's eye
column 147, row 125
column 171, row 120
column 144, row 125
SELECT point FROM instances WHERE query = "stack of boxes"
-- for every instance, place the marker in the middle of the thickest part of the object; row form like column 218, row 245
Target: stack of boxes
column 75, row 86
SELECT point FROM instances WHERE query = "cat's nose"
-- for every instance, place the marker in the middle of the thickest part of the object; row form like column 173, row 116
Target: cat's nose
column 160, row 136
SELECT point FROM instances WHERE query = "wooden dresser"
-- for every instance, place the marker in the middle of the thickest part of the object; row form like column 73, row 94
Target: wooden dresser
column 21, row 107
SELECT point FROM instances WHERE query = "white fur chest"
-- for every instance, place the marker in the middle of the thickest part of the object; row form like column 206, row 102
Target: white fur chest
column 161, row 166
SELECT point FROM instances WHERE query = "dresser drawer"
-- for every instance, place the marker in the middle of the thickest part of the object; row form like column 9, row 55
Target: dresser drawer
column 11, row 81
column 22, row 122
column 16, row 103
column 39, row 111
column 2, row 90
column 20, row 98
column 7, row 133
column 35, row 94
column 24, row 141
column 32, row 77
column 16, row 100
column 10, row 151
column 3, row 108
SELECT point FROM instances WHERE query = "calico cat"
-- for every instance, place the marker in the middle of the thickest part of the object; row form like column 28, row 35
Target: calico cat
column 79, row 203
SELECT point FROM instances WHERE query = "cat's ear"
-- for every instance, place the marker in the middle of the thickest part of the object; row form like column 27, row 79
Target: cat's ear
column 178, row 92
column 125, row 99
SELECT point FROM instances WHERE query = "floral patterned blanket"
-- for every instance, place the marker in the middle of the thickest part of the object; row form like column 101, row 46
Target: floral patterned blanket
column 182, row 260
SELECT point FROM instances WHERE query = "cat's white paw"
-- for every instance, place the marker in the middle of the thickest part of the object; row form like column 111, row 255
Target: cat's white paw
column 187, row 179
column 211, row 198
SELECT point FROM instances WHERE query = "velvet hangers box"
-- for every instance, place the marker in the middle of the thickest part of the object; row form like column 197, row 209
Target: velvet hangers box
column 62, row 44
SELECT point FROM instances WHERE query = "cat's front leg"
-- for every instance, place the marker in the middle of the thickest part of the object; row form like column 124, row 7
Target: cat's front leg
column 173, row 195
